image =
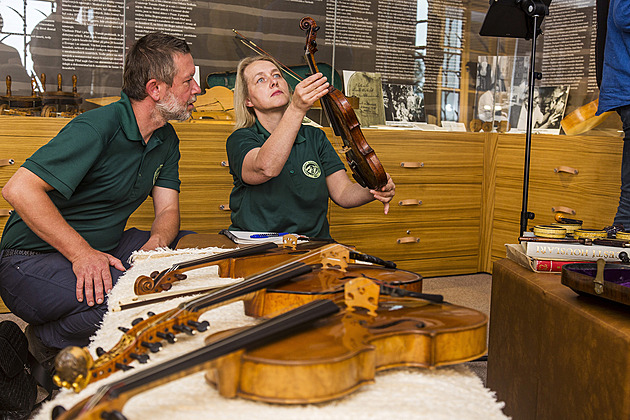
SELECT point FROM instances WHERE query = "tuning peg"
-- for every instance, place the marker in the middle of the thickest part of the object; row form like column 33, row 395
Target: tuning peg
column 136, row 321
column 183, row 328
column 123, row 367
column 100, row 351
column 170, row 337
column 200, row 326
column 150, row 314
column 154, row 274
column 142, row 357
column 154, row 347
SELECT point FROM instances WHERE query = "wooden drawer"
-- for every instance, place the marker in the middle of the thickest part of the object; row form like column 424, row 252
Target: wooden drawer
column 445, row 157
column 593, row 158
column 438, row 202
column 437, row 267
column 455, row 242
column 14, row 127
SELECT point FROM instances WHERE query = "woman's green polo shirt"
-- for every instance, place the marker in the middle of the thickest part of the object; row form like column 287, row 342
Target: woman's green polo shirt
column 101, row 171
column 294, row 201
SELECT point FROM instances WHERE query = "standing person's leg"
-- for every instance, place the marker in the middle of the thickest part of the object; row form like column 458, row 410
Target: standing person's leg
column 623, row 210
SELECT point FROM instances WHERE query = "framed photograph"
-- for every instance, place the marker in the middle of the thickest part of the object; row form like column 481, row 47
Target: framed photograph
column 403, row 103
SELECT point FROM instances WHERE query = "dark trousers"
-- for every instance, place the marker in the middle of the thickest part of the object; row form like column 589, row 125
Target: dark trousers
column 40, row 289
column 623, row 210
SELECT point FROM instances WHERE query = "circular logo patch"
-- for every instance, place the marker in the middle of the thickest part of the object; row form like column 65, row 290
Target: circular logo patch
column 311, row 169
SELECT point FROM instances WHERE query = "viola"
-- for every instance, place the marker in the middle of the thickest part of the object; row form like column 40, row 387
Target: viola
column 365, row 165
column 341, row 353
column 331, row 284
column 110, row 399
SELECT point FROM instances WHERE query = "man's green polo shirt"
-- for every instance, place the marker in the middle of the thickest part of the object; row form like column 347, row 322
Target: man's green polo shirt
column 294, row 201
column 101, row 171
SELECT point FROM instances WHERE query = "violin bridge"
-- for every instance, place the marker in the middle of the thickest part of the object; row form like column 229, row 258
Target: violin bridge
column 289, row 241
column 362, row 293
column 338, row 257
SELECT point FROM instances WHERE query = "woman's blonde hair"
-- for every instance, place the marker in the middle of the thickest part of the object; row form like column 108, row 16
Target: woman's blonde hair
column 245, row 116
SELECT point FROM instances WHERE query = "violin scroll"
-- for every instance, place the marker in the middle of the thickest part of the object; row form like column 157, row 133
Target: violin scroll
column 308, row 24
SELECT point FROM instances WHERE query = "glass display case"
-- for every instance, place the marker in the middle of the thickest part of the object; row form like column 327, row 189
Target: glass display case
column 433, row 65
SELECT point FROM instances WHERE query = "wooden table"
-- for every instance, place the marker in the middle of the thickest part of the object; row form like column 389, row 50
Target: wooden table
column 554, row 354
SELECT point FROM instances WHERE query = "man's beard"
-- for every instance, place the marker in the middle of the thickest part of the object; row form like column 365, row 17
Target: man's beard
column 170, row 109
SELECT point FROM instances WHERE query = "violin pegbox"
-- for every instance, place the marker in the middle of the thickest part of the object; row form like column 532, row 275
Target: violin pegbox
column 362, row 292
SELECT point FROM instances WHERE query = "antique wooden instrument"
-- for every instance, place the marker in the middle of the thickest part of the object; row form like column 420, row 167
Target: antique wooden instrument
column 75, row 367
column 164, row 280
column 247, row 261
column 583, row 119
column 109, row 400
column 25, row 103
column 331, row 284
column 340, row 354
column 365, row 165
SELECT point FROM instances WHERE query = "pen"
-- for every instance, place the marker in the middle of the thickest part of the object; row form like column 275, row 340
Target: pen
column 267, row 235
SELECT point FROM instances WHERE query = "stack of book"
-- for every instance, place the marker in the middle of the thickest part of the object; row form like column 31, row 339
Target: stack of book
column 551, row 256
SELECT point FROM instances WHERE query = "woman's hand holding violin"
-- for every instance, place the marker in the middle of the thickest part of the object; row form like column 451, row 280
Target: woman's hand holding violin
column 385, row 194
column 308, row 91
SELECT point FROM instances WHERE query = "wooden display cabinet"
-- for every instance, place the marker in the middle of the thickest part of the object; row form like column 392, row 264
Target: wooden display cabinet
column 434, row 219
column 458, row 195
column 566, row 173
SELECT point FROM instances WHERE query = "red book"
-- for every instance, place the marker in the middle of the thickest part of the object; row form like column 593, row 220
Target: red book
column 515, row 253
column 550, row 266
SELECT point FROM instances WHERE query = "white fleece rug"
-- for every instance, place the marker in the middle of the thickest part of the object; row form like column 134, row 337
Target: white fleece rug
column 445, row 393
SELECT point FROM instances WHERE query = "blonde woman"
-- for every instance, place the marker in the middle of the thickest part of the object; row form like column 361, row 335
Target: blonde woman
column 283, row 171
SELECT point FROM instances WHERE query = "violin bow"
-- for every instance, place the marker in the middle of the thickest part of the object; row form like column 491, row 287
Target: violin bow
column 252, row 45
